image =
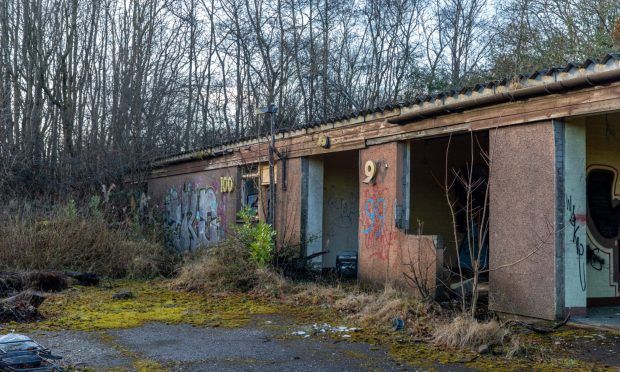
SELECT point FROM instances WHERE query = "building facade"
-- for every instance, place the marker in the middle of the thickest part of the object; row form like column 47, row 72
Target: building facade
column 546, row 147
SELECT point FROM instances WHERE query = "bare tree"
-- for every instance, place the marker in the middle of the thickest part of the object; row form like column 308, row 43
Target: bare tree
column 90, row 90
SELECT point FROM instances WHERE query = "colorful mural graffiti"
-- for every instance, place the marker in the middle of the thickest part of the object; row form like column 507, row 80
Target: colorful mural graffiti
column 192, row 217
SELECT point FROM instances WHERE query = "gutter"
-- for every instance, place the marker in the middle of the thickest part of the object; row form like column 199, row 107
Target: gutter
column 198, row 155
column 558, row 86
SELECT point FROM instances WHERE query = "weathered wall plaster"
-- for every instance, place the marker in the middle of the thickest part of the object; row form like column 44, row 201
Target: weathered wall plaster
column 386, row 251
column 289, row 203
column 522, row 220
column 314, row 210
column 574, row 214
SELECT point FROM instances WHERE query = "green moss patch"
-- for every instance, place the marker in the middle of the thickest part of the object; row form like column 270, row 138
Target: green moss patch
column 92, row 308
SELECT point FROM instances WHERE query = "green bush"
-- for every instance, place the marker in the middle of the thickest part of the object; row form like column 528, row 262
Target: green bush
column 258, row 237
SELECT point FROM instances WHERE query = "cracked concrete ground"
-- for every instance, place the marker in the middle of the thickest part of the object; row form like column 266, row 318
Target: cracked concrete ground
column 188, row 348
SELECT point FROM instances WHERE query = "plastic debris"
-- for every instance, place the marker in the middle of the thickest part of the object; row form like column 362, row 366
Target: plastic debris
column 317, row 329
column 21, row 353
column 398, row 324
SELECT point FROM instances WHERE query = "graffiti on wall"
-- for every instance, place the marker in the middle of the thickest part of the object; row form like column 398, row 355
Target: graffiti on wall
column 344, row 211
column 379, row 238
column 575, row 221
column 192, row 217
column 603, row 221
column 374, row 210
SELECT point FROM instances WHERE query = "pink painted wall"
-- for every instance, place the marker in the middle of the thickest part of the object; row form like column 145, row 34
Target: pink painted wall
column 386, row 252
column 522, row 221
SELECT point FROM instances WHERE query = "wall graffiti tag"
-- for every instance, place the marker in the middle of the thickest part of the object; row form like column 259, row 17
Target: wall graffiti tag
column 574, row 221
column 374, row 209
column 192, row 217
column 345, row 211
column 378, row 236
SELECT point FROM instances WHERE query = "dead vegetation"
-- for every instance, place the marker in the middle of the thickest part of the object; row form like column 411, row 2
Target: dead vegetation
column 466, row 332
column 222, row 268
column 22, row 307
column 21, row 293
column 78, row 243
column 227, row 267
column 11, row 282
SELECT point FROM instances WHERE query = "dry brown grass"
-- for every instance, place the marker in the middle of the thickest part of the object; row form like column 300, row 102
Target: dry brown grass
column 270, row 284
column 465, row 332
column 220, row 268
column 80, row 244
column 227, row 267
column 316, row 294
column 375, row 307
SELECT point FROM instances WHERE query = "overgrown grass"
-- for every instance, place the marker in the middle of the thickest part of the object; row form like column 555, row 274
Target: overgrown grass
column 68, row 241
column 465, row 332
column 228, row 267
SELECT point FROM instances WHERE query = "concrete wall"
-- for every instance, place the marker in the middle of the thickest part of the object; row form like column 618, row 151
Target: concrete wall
column 522, row 221
column 313, row 210
column 573, row 212
column 194, row 208
column 386, row 252
column 603, row 155
column 340, row 205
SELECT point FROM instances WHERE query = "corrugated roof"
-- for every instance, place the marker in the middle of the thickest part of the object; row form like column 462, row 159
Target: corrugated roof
column 546, row 81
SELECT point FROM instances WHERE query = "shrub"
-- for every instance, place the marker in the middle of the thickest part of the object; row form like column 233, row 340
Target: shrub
column 257, row 237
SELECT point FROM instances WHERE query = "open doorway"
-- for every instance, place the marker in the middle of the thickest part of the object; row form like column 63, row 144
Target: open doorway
column 340, row 210
column 603, row 209
column 330, row 214
column 430, row 212
column 592, row 218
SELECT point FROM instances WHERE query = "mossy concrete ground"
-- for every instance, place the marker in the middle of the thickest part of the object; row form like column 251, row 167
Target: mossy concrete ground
column 123, row 328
